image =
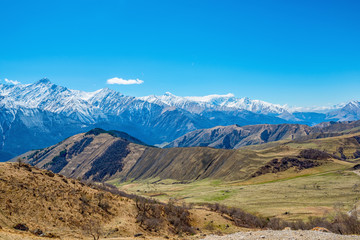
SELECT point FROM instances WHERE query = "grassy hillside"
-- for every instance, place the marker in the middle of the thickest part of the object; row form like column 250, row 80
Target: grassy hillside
column 299, row 178
column 102, row 156
column 235, row 136
column 298, row 192
column 289, row 195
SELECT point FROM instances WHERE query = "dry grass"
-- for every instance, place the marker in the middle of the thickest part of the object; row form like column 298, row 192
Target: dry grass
column 71, row 209
column 311, row 192
column 60, row 206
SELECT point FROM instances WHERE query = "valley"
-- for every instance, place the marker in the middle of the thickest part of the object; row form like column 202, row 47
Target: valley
column 287, row 179
column 300, row 181
column 290, row 195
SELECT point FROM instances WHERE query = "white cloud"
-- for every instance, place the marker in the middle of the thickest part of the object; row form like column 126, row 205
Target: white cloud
column 122, row 81
column 11, row 81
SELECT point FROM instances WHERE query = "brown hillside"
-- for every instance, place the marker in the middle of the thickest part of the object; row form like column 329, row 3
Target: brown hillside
column 38, row 204
column 56, row 206
column 102, row 157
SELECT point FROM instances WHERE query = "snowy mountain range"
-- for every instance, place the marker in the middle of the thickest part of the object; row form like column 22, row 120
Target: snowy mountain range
column 41, row 114
column 216, row 102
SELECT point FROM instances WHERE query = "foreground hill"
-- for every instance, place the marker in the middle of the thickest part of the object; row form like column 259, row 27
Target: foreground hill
column 235, row 136
column 52, row 205
column 38, row 204
column 99, row 155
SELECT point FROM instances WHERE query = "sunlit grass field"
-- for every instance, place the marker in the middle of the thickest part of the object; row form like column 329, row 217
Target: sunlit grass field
column 289, row 194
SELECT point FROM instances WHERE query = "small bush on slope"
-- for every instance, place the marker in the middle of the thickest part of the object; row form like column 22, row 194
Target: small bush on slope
column 153, row 215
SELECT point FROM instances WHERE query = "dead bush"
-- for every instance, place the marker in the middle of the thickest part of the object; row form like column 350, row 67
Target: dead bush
column 50, row 173
column 93, row 228
column 21, row 227
column 85, row 199
column 104, row 205
column 178, row 217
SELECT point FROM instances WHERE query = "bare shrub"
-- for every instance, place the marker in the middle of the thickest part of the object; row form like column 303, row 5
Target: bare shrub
column 240, row 217
column 149, row 213
column 345, row 224
column 152, row 214
column 104, row 205
column 276, row 224
column 92, row 228
column 85, row 199
column 178, row 217
column 21, row 227
column 19, row 161
column 314, row 154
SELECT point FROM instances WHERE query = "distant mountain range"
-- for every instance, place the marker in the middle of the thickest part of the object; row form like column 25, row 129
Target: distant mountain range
column 38, row 115
column 235, row 136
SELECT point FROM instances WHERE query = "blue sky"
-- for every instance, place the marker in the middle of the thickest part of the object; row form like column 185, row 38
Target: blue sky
column 299, row 52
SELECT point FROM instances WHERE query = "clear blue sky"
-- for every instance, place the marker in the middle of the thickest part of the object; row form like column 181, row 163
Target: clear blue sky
column 299, row 52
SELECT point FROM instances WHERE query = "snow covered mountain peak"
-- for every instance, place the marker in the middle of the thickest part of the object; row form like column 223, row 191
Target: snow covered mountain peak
column 213, row 98
column 228, row 101
column 48, row 113
column 43, row 81
column 89, row 106
column 353, row 103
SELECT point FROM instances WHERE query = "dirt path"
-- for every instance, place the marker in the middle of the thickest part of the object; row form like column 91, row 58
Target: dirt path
column 282, row 235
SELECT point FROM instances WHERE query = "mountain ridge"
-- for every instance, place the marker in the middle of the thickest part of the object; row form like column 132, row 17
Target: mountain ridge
column 44, row 113
column 235, row 136
column 100, row 156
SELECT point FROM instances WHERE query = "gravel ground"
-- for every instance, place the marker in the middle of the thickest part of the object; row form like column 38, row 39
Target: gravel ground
column 285, row 234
